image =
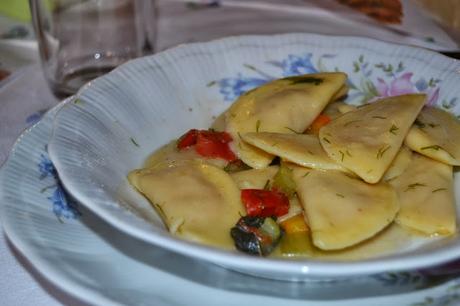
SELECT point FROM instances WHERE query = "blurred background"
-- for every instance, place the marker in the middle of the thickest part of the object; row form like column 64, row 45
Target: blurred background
column 431, row 24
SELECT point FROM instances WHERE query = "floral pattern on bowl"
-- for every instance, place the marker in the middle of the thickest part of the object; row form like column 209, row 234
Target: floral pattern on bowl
column 63, row 205
column 368, row 81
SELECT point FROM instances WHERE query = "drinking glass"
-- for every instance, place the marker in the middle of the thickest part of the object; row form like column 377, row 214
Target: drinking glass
column 82, row 39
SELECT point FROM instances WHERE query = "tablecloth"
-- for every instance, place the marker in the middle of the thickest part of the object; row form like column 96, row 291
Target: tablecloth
column 25, row 97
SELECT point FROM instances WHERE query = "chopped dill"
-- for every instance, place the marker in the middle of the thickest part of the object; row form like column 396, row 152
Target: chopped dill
column 342, row 155
column 340, row 195
column 436, row 148
column 379, row 117
column 326, row 140
column 382, row 151
column 433, row 147
column 267, row 185
column 414, row 185
column 439, row 189
column 306, row 173
column 393, row 129
column 419, row 123
column 292, row 130
column 350, row 122
column 304, row 79
column 134, row 142
column 348, row 153
column 257, row 126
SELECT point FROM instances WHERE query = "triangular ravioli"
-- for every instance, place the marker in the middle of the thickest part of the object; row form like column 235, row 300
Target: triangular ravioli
column 203, row 209
column 425, row 191
column 336, row 109
column 343, row 211
column 366, row 140
column 254, row 178
column 302, row 149
column 436, row 134
column 399, row 164
column 286, row 105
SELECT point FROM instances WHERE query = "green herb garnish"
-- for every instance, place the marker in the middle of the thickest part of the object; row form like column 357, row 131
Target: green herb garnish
column 292, row 130
column 379, row 117
column 134, row 142
column 326, row 140
column 414, row 185
column 257, row 126
column 393, row 129
column 304, row 79
column 382, row 151
column 340, row 195
column 350, row 122
column 419, row 123
column 433, row 147
column 267, row 185
column 439, row 189
column 342, row 155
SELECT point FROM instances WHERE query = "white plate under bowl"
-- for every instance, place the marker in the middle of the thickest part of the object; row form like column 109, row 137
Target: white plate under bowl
column 120, row 118
column 87, row 258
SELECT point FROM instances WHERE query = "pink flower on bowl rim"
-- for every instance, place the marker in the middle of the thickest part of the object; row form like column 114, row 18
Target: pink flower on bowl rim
column 403, row 85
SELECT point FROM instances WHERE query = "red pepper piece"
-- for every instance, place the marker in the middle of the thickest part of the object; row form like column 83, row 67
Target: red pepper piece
column 214, row 145
column 264, row 203
column 208, row 144
column 319, row 122
column 188, row 139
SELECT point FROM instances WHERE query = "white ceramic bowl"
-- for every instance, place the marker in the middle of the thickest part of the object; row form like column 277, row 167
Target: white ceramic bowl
column 119, row 119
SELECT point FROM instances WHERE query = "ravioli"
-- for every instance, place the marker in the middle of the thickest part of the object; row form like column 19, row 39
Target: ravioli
column 203, row 209
column 302, row 149
column 343, row 211
column 399, row 164
column 254, row 178
column 425, row 191
column 169, row 154
column 366, row 140
column 436, row 134
column 286, row 105
column 336, row 109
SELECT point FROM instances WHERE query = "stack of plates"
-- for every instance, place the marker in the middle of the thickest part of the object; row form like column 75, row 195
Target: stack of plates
column 106, row 247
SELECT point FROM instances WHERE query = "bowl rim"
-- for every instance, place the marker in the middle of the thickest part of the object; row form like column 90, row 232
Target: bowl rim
column 237, row 260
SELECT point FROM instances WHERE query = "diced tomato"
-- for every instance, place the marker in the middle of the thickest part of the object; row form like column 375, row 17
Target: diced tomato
column 208, row 144
column 264, row 203
column 319, row 122
column 188, row 139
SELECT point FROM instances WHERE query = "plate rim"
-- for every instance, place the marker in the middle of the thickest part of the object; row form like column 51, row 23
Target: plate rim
column 39, row 265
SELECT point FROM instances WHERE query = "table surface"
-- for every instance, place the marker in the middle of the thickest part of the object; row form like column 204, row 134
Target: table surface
column 24, row 95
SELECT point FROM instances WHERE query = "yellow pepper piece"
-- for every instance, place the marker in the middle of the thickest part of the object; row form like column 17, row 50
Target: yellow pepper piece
column 295, row 224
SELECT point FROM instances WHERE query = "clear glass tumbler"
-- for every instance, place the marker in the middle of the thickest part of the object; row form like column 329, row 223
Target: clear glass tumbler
column 83, row 39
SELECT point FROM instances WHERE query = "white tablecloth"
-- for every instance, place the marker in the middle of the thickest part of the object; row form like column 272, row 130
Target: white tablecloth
column 24, row 97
